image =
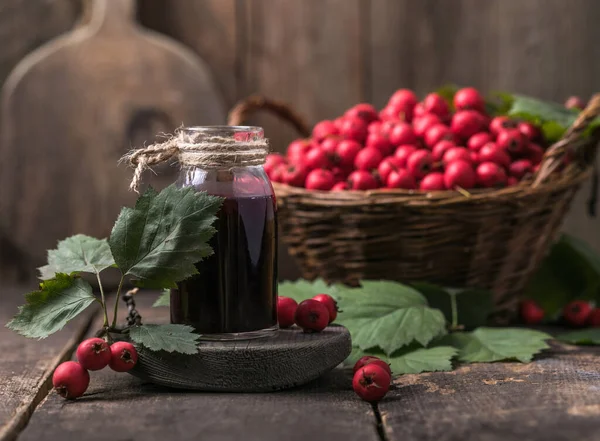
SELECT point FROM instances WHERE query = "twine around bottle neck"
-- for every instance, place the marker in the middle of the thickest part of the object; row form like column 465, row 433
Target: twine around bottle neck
column 197, row 151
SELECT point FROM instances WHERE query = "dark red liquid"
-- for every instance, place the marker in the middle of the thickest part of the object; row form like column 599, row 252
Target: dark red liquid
column 236, row 290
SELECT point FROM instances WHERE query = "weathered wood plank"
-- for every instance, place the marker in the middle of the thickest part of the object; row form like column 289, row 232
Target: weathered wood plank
column 119, row 406
column 555, row 398
column 26, row 366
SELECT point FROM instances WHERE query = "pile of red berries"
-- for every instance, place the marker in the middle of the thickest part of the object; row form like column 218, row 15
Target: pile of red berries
column 312, row 315
column 412, row 145
column 578, row 314
column 71, row 379
column 372, row 378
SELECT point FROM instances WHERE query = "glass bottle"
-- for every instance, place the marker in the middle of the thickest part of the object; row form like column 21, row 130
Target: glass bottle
column 234, row 296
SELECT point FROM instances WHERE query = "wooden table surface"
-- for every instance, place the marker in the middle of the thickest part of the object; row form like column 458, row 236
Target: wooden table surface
column 557, row 397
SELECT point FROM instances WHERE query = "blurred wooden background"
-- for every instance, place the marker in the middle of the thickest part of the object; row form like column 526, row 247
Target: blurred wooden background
column 323, row 56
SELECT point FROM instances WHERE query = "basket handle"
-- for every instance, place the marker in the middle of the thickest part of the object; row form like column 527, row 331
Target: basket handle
column 571, row 138
column 243, row 109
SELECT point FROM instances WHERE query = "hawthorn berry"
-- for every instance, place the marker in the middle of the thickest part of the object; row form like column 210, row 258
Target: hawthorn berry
column 511, row 180
column 403, row 152
column 474, row 157
column 478, row 140
column 594, row 318
column 577, row 312
column 320, row 180
column 535, row 153
column 294, row 175
column 402, row 133
column 440, row 148
column 93, row 354
column 401, row 179
column 501, row 123
column 492, row 153
column 346, row 152
column 330, row 304
column 511, row 140
column 371, row 359
column 529, row 131
column 70, row 380
column 276, row 174
column 380, row 142
column 361, row 180
column 422, row 123
column 459, row 174
column 316, row 158
column 404, row 98
column 364, row 111
column 437, row 133
column 469, row 99
column 419, row 163
column 340, row 186
column 286, row 311
column 273, row 160
column 323, row 129
column 490, row 175
column 298, row 149
column 466, row 123
column 371, row 382
column 531, row 313
column 520, row 168
column 575, row 102
column 387, row 166
column 368, row 159
column 433, row 182
column 329, row 145
column 456, row 153
column 123, row 356
column 354, row 128
column 434, row 103
column 312, row 315
column 374, row 127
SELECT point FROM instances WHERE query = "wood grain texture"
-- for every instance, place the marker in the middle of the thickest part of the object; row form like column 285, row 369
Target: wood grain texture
column 71, row 109
column 120, row 406
column 26, row 365
column 555, row 398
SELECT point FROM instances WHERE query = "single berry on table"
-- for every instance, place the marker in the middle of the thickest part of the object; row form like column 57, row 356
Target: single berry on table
column 123, row 356
column 93, row 354
column 312, row 315
column 371, row 382
column 330, row 304
column 70, row 380
column 594, row 318
column 531, row 312
column 286, row 310
column 577, row 312
column 371, row 359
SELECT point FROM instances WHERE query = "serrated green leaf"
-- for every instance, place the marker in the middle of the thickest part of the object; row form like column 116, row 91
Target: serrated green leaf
column 498, row 344
column 48, row 310
column 161, row 239
column 388, row 315
column 164, row 299
column 79, row 253
column 169, row 338
column 300, row 290
column 473, row 305
column 587, row 337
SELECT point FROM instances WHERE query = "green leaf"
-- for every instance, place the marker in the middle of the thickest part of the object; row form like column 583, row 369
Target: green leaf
column 498, row 344
column 164, row 299
column 589, row 336
column 161, row 239
column 48, row 310
column 170, row 338
column 447, row 92
column 388, row 315
column 473, row 305
column 499, row 103
column 300, row 290
column 412, row 360
column 76, row 254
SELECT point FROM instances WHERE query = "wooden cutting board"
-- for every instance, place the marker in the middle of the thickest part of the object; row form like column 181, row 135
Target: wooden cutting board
column 72, row 108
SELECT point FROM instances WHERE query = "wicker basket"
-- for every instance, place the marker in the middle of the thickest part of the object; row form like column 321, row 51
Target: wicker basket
column 493, row 239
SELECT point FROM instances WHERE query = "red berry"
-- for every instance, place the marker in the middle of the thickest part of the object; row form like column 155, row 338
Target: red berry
column 273, row 160
column 459, row 174
column 511, row 181
column 469, row 99
column 387, row 127
column 404, row 97
column 594, row 318
column 368, row 159
column 421, row 124
column 418, row 111
column 474, row 157
column 419, row 163
column 531, row 312
column 529, row 131
column 123, row 356
column 535, row 153
column 370, row 359
column 340, row 186
column 93, row 354
column 298, row 149
column 433, row 182
column 380, row 142
column 276, row 174
column 294, row 175
column 324, row 129
column 492, row 153
column 338, row 122
column 361, row 180
column 364, row 111
column 440, row 148
column 339, row 174
column 512, row 141
column 355, row 129
column 402, row 133
column 330, row 304
column 312, row 315
column 346, row 152
column 329, row 145
column 316, row 158
column 374, row 127
column 402, row 153
column 387, row 166
column 501, row 123
column 70, row 380
column 396, row 112
column 574, row 102
column 371, row 382
column 577, row 312
column 490, row 175
column 456, row 153
column 520, row 168
column 401, row 179
column 466, row 123
column 286, row 310
column 437, row 133
column 478, row 140
column 437, row 105
column 320, row 180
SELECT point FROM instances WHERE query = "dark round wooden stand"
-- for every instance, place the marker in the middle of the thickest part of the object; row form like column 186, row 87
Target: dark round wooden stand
column 289, row 359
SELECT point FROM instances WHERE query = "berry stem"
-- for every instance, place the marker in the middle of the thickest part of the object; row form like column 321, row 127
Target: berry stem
column 114, row 323
column 103, row 300
column 454, row 308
